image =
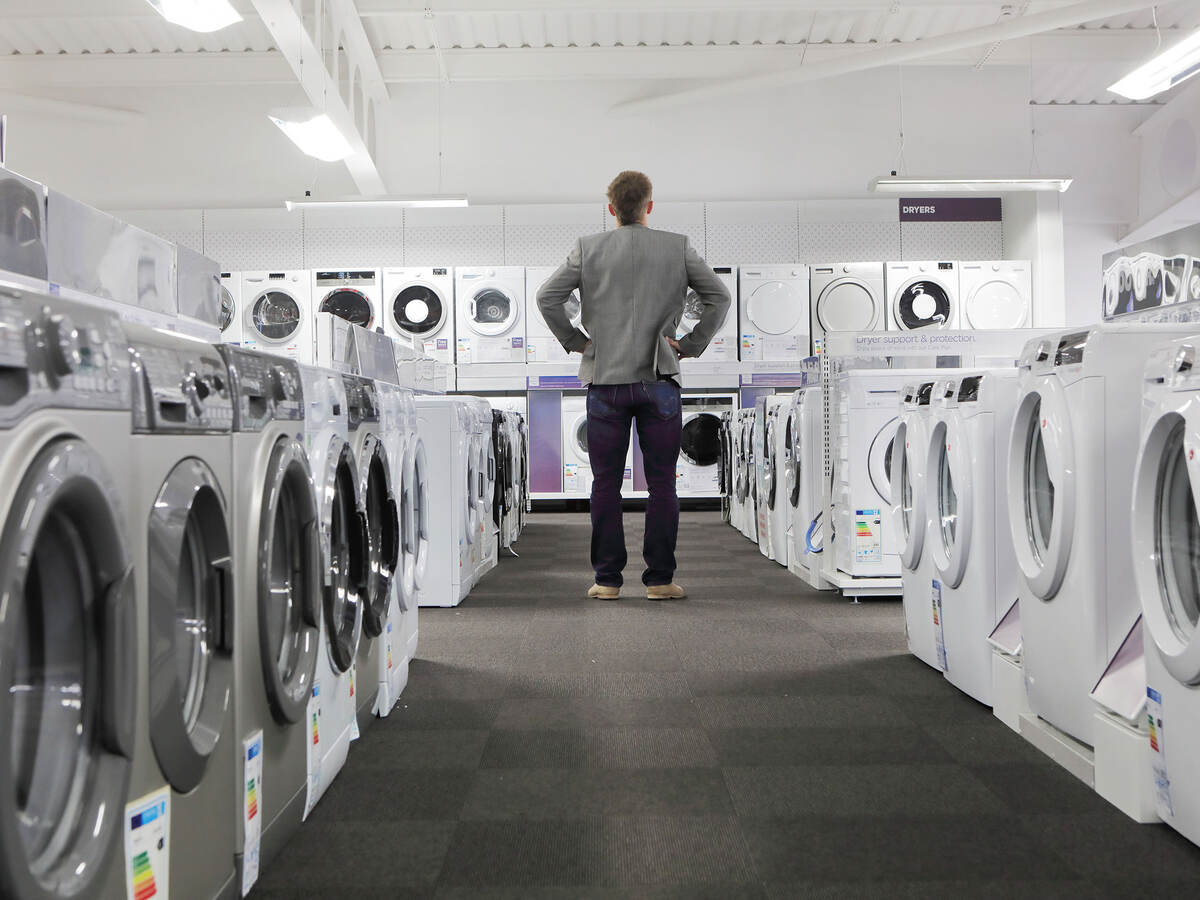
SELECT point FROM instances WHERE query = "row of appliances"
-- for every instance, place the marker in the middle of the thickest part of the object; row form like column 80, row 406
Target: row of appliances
column 1150, row 282
column 483, row 315
column 214, row 559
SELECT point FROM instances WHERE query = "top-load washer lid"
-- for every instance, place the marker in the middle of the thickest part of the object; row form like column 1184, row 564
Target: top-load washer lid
column 274, row 315
column 228, row 309
column 700, row 442
column 418, row 309
column 776, row 307
column 491, row 310
column 68, row 684
column 848, row 305
column 921, row 303
column 996, row 303
column 348, row 304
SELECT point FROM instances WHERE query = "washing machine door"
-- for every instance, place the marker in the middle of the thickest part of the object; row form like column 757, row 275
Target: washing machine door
column 1041, row 479
column 273, row 316
column 776, row 307
column 418, row 309
column 922, row 303
column 68, row 676
column 908, row 491
column 191, row 612
column 793, row 464
column 347, row 563
column 880, row 457
column 492, row 310
column 383, row 528
column 472, row 519
column 1167, row 539
column 228, row 310
column 415, row 518
column 700, row 442
column 693, row 308
column 289, row 582
column 848, row 304
column 952, row 495
column 349, row 304
column 996, row 303
column 771, row 460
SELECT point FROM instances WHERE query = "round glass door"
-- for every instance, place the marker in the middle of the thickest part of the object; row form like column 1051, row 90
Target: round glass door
column 581, row 436
column 349, row 540
column 228, row 309
column 847, row 306
column 947, row 499
column 191, row 622
column 769, row 460
column 996, row 304
column 1177, row 539
column 775, row 308
column 275, row 316
column 795, row 463
column 700, row 442
column 416, row 518
column 68, row 689
column 383, row 528
column 908, row 493
column 491, row 311
column 1038, row 492
column 349, row 304
column 418, row 309
column 879, row 459
column 921, row 304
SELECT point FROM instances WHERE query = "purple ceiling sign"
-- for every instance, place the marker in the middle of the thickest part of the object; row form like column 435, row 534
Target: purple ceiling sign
column 950, row 209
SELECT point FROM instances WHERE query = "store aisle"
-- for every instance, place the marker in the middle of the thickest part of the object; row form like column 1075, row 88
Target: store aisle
column 755, row 740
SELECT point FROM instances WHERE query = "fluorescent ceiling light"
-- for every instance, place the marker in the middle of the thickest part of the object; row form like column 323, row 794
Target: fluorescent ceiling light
column 313, row 132
column 440, row 202
column 1177, row 63
column 912, row 184
column 198, row 15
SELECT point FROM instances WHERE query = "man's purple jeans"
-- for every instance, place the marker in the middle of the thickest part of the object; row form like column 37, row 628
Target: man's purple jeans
column 611, row 408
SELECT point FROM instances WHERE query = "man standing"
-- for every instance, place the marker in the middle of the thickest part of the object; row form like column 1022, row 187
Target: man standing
column 632, row 282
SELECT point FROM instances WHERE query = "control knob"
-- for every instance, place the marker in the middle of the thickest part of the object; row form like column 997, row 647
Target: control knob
column 61, row 342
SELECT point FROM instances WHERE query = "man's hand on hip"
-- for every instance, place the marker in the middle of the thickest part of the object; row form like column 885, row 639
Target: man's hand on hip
column 584, row 348
column 675, row 346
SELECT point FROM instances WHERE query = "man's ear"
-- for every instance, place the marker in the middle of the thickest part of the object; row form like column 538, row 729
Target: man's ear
column 649, row 207
column 612, row 212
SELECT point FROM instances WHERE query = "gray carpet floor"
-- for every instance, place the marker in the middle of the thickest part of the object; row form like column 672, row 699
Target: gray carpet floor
column 756, row 740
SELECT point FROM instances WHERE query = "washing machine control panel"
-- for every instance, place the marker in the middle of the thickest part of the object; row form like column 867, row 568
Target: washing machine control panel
column 179, row 385
column 265, row 388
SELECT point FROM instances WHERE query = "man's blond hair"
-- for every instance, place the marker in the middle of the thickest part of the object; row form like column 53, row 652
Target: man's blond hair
column 629, row 193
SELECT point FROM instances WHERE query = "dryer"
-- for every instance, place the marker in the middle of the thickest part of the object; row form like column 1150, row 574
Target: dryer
column 230, row 321
column 996, row 294
column 278, row 581
column 446, row 425
column 418, row 305
column 490, row 303
column 355, row 295
column 1070, row 455
column 698, row 470
column 773, row 313
column 277, row 314
column 847, row 297
column 922, row 295
column 344, row 554
column 577, row 468
column 724, row 345
column 805, row 456
column 65, row 487
column 910, row 518
column 540, row 344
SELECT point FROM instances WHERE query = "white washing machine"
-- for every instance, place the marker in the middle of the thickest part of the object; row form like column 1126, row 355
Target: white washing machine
column 577, row 470
column 747, row 479
column 344, row 553
column 540, row 344
column 769, row 474
column 355, row 295
column 277, row 314
column 1070, row 457
column 996, row 294
column 486, row 545
column 922, row 295
column 773, row 313
column 1166, row 550
column 724, row 345
column 697, row 472
column 737, row 498
column 846, row 297
column 969, row 543
column 490, row 314
column 446, row 426
column 805, row 455
column 230, row 321
column 418, row 304
column 414, row 517
column 864, row 538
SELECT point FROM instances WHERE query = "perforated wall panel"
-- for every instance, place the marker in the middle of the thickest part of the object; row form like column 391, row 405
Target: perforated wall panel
column 193, row 240
column 454, row 245
column 543, row 245
column 729, row 244
column 354, row 246
column 951, row 240
column 239, row 251
column 849, row 241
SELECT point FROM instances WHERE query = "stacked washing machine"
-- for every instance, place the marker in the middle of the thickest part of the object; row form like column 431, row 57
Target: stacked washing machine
column 698, row 470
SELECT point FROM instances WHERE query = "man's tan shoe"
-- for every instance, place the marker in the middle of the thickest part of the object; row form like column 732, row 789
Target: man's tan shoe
column 604, row 592
column 665, row 592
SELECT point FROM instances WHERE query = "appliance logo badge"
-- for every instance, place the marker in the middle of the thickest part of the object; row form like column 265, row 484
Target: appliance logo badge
column 518, row 342
column 443, row 343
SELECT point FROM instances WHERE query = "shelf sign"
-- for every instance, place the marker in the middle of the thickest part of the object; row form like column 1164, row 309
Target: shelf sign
column 950, row 209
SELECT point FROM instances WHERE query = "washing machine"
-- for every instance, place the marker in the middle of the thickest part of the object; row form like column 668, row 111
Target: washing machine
column 416, row 536
column 344, row 542
column 736, row 500
column 725, row 465
column 698, row 470
column 512, row 465
column 69, row 628
column 1070, row 459
column 486, row 546
column 1165, row 552
column 864, row 426
column 446, row 425
column 769, row 471
column 747, row 487
column 418, row 305
column 355, row 295
column 364, row 427
column 974, row 570
column 540, row 343
column 846, row 297
column 724, row 345
column 996, row 294
column 230, row 314
column 277, row 616
column 490, row 315
column 773, row 313
column 922, row 295
column 277, row 314
column 805, row 456
column 182, row 567
column 577, row 469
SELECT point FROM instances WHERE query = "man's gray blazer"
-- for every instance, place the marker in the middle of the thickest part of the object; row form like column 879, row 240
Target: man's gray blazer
column 632, row 283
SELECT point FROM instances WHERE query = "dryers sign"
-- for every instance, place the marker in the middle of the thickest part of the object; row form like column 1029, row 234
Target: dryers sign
column 950, row 209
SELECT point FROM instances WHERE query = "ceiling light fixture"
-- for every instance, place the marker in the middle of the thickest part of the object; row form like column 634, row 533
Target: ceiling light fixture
column 1177, row 63
column 197, row 15
column 436, row 202
column 913, row 184
column 313, row 132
